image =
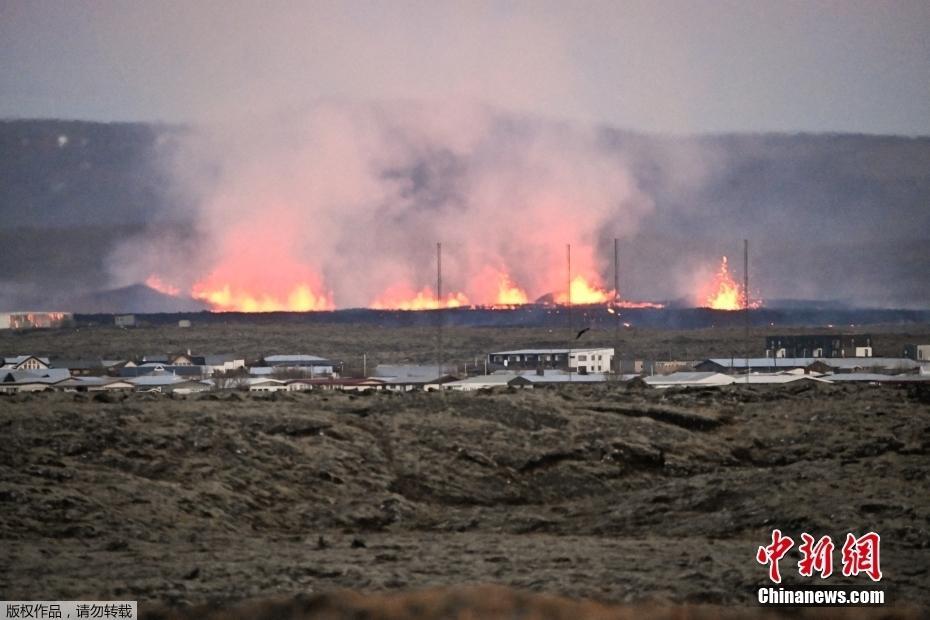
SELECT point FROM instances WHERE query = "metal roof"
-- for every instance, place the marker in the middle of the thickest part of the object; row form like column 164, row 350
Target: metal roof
column 690, row 378
column 19, row 359
column 415, row 373
column 898, row 363
column 901, row 363
column 549, row 351
column 876, row 377
column 764, row 362
column 42, row 375
column 221, row 358
column 92, row 381
column 295, row 358
column 575, row 377
column 778, row 378
column 165, row 379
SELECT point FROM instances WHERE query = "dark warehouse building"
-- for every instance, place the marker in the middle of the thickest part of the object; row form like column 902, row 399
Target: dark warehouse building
column 819, row 345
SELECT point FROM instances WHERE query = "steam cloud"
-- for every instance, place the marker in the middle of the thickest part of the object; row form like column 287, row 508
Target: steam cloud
column 349, row 200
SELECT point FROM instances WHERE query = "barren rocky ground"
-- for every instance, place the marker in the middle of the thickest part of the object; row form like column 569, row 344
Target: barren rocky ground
column 347, row 343
column 608, row 493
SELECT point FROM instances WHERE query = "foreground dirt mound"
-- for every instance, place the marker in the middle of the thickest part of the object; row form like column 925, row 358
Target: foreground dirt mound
column 491, row 603
column 592, row 492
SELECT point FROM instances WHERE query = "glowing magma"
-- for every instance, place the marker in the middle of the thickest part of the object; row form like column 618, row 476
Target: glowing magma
column 508, row 293
column 584, row 292
column 229, row 298
column 723, row 292
column 260, row 272
column 494, row 287
column 400, row 298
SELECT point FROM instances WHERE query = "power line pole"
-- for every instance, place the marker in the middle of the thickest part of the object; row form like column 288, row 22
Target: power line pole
column 570, row 327
column 616, row 269
column 439, row 311
column 617, row 304
column 746, row 300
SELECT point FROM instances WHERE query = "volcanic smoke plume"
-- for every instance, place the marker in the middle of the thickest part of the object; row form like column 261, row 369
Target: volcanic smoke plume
column 341, row 205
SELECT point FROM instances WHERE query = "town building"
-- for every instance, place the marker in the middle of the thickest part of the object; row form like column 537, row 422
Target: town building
column 819, row 345
column 581, row 360
column 220, row 363
column 155, row 368
column 333, row 383
column 89, row 367
column 309, row 365
column 24, row 362
column 410, row 377
column 488, row 382
column 95, row 384
column 754, row 364
column 15, row 381
column 810, row 365
column 168, row 383
column 265, row 384
column 918, row 352
column 690, row 379
column 124, row 320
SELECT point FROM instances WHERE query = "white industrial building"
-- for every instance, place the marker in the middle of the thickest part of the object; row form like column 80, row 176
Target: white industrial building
column 581, row 360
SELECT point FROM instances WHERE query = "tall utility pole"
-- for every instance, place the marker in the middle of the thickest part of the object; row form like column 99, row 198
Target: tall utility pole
column 570, row 327
column 617, row 304
column 746, row 300
column 439, row 310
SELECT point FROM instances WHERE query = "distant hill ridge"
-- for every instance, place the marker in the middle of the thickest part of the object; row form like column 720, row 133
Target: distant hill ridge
column 830, row 216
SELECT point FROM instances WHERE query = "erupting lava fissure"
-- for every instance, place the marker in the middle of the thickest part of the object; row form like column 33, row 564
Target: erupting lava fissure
column 508, row 293
column 247, row 296
column 724, row 293
column 424, row 299
column 228, row 299
column 330, row 204
column 584, row 292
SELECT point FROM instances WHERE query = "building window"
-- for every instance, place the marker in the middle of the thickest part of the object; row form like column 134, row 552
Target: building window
column 582, row 358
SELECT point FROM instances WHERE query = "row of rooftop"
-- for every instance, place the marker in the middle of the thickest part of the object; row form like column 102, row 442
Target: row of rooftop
column 529, row 367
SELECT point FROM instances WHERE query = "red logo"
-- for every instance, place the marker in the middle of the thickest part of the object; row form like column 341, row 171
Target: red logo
column 816, row 557
column 773, row 553
column 860, row 555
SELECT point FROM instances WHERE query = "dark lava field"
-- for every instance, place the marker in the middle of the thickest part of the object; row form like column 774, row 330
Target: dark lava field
column 607, row 493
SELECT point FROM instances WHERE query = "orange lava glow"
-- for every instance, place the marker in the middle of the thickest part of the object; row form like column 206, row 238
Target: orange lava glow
column 226, row 298
column 260, row 270
column 623, row 303
column 156, row 283
column 584, row 292
column 397, row 298
column 508, row 293
column 723, row 292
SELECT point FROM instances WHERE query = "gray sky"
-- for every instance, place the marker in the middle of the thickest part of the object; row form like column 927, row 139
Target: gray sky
column 667, row 66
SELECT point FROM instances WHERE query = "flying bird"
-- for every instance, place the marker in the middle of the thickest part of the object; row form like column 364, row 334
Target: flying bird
column 581, row 333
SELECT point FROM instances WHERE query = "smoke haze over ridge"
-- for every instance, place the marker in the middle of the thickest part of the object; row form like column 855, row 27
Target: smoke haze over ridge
column 349, row 199
column 830, row 217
